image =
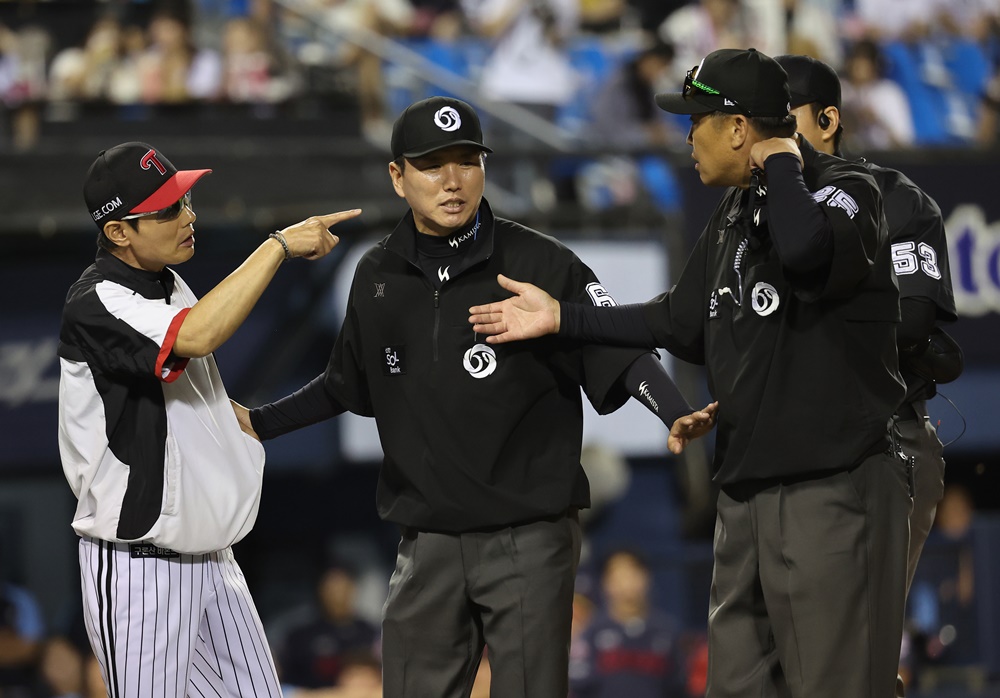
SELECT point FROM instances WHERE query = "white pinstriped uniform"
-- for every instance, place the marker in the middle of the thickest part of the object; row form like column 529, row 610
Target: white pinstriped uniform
column 173, row 627
column 155, row 456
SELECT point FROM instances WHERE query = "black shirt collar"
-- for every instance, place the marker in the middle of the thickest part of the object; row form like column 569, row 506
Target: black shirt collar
column 148, row 284
column 404, row 239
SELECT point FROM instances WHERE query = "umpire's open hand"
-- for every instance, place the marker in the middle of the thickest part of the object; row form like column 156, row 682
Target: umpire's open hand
column 691, row 427
column 312, row 237
column 530, row 313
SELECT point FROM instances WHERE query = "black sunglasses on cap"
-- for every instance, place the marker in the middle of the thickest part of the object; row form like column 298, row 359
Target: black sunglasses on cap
column 691, row 83
column 165, row 214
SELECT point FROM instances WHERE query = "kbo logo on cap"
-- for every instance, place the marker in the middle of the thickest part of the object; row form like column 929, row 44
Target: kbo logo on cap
column 447, row 119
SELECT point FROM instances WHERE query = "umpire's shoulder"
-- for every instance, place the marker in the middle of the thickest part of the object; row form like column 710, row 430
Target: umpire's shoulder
column 513, row 234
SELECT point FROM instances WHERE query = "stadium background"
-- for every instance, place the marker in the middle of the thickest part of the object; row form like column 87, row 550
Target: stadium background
column 310, row 143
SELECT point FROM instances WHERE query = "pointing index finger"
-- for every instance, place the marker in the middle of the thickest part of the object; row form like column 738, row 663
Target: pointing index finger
column 334, row 218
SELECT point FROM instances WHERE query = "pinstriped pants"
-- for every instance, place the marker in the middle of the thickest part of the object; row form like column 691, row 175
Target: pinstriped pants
column 173, row 627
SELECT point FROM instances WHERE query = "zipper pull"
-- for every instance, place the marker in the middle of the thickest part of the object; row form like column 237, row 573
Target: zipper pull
column 437, row 298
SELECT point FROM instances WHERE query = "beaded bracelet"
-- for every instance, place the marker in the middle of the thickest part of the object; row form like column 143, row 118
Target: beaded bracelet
column 281, row 238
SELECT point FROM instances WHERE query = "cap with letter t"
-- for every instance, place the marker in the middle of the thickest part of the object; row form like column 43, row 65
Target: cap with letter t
column 435, row 123
column 134, row 178
column 734, row 81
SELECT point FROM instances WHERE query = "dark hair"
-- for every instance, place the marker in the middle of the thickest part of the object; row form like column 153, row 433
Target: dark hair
column 775, row 126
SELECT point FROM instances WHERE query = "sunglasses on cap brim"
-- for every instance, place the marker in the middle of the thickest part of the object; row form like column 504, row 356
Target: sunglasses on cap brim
column 165, row 214
column 691, row 83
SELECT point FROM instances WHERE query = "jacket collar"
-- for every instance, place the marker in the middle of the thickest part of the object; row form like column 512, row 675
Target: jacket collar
column 403, row 239
column 148, row 284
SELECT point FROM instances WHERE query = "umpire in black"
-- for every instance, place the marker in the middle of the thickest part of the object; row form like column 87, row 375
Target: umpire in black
column 927, row 354
column 789, row 300
column 482, row 446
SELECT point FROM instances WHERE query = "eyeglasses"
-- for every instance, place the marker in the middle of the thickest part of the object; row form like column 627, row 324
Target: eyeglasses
column 691, row 83
column 165, row 214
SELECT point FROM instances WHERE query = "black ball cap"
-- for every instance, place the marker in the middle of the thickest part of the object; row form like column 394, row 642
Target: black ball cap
column 435, row 123
column 735, row 81
column 810, row 80
column 132, row 178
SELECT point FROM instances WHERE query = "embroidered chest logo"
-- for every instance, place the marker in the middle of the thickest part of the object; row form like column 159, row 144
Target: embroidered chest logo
column 765, row 299
column 480, row 361
column 394, row 363
column 379, row 290
column 713, row 305
column 443, row 274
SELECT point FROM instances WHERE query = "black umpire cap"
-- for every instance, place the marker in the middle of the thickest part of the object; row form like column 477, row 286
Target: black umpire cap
column 810, row 81
column 435, row 123
column 734, row 81
column 133, row 178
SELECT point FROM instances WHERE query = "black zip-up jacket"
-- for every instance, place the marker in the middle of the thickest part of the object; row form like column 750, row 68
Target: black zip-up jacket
column 804, row 366
column 474, row 436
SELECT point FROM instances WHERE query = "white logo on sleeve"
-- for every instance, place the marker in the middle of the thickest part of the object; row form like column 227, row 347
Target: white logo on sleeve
column 765, row 298
column 447, row 119
column 600, row 295
column 480, row 361
column 837, row 198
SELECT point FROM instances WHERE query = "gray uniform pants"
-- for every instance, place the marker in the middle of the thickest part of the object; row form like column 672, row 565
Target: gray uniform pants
column 918, row 438
column 510, row 589
column 808, row 587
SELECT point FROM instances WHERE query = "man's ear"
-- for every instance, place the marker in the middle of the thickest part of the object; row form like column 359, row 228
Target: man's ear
column 739, row 130
column 115, row 231
column 396, row 174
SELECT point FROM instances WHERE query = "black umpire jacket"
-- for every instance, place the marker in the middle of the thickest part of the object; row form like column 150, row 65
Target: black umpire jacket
column 804, row 366
column 474, row 436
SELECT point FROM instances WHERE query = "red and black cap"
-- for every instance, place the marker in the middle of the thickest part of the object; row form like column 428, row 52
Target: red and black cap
column 134, row 178
column 810, row 81
column 734, row 81
column 435, row 123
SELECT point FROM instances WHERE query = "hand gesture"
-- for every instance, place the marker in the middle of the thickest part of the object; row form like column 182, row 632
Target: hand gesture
column 312, row 238
column 690, row 427
column 530, row 313
column 762, row 150
column 243, row 417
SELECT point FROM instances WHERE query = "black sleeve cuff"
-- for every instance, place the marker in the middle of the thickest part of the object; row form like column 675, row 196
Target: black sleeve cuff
column 648, row 382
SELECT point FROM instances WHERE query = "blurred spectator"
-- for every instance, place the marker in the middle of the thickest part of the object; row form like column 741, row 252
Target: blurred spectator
column 625, row 118
column 437, row 19
column 989, row 113
column 360, row 677
column 943, row 610
column 699, row 28
column 892, row 19
column 173, row 70
column 313, row 654
column 624, row 115
column 62, row 669
column 603, row 16
column 21, row 634
column 23, row 58
column 250, row 73
column 528, row 64
column 875, row 107
column 629, row 649
column 85, row 73
column 805, row 27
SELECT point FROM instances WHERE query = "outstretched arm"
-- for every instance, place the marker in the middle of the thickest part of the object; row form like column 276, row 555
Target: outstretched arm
column 648, row 382
column 529, row 313
column 214, row 318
